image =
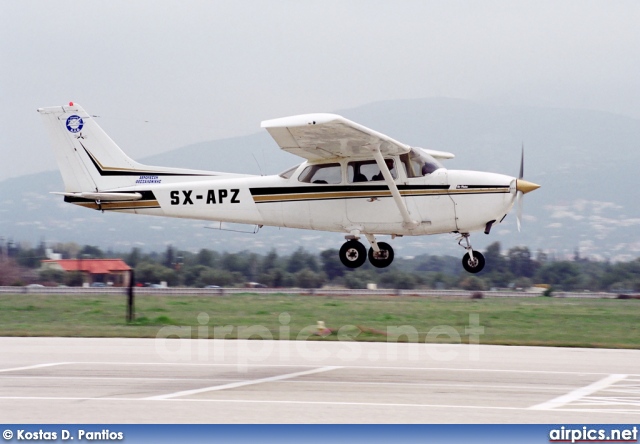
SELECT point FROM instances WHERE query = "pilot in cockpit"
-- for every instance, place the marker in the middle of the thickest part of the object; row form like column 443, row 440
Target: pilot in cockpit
column 390, row 165
column 418, row 164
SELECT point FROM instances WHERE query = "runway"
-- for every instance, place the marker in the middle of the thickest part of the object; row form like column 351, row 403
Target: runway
column 74, row 380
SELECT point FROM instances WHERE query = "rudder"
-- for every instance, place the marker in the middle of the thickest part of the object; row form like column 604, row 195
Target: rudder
column 89, row 160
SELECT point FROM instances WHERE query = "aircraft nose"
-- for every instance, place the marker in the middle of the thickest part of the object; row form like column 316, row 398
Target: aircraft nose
column 525, row 186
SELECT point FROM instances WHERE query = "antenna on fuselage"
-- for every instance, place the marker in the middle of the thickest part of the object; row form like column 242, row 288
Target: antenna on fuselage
column 258, row 163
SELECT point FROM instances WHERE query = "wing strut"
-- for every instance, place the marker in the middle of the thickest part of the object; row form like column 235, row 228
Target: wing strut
column 408, row 221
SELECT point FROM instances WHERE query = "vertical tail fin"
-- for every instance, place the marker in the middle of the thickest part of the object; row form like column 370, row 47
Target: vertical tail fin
column 64, row 124
column 90, row 161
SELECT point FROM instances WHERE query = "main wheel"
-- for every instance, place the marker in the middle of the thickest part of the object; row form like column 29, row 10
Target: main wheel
column 353, row 254
column 383, row 258
column 474, row 265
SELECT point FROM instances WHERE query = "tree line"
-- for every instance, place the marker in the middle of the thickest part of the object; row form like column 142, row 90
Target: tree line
column 514, row 268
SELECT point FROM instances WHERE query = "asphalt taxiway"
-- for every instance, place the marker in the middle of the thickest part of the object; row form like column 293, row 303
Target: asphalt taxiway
column 79, row 380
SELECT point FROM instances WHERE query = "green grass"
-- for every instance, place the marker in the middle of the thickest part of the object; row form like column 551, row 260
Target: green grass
column 607, row 323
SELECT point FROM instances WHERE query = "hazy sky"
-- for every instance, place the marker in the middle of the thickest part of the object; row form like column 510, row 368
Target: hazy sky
column 163, row 74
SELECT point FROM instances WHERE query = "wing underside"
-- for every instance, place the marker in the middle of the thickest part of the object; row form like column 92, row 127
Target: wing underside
column 327, row 136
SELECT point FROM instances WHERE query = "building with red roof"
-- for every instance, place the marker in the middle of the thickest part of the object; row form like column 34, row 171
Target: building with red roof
column 107, row 271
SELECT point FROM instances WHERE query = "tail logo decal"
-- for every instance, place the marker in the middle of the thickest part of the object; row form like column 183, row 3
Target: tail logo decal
column 75, row 123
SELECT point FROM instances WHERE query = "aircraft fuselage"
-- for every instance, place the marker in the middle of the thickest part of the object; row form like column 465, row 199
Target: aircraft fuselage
column 444, row 201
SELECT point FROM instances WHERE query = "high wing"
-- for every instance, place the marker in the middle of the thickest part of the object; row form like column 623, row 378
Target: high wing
column 326, row 136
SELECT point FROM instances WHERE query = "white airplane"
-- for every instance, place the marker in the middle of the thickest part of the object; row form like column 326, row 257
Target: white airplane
column 354, row 181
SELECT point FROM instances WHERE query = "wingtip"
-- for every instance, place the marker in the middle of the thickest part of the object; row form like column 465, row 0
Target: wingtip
column 300, row 120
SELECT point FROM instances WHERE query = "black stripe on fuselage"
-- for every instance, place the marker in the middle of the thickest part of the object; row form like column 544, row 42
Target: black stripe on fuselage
column 121, row 172
column 463, row 187
column 334, row 192
column 338, row 189
column 146, row 195
column 330, row 192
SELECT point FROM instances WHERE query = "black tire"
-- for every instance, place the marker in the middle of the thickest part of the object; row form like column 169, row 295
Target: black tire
column 353, row 254
column 473, row 266
column 385, row 258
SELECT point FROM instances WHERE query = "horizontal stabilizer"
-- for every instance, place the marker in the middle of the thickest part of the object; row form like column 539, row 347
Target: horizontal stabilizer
column 103, row 196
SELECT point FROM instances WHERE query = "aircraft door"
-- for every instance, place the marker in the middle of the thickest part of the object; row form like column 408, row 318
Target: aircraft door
column 428, row 197
column 367, row 197
column 426, row 191
column 317, row 207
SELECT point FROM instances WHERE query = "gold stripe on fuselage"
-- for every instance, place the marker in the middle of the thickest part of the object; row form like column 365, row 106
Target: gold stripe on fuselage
column 370, row 194
column 125, row 205
column 493, row 190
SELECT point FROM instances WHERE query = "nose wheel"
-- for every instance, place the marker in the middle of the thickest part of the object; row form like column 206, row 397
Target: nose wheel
column 473, row 264
column 472, row 261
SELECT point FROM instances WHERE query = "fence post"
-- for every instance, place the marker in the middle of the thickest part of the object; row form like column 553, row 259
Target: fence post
column 130, row 314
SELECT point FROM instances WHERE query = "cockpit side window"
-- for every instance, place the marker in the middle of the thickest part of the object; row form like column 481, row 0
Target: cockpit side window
column 330, row 173
column 412, row 168
column 368, row 170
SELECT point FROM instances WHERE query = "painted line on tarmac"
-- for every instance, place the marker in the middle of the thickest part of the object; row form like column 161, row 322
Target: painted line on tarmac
column 579, row 393
column 345, row 366
column 31, row 367
column 321, row 403
column 242, row 383
column 470, row 385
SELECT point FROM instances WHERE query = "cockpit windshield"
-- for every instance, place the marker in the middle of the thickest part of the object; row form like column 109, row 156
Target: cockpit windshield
column 418, row 163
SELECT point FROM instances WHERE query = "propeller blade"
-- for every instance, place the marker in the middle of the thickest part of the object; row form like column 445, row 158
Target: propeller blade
column 519, row 193
column 522, row 187
column 519, row 201
column 521, row 163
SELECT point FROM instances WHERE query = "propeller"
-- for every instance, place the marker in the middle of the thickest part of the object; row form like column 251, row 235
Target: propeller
column 522, row 187
column 519, row 193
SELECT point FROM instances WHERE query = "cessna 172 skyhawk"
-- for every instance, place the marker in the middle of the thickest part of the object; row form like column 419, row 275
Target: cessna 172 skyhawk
column 354, row 181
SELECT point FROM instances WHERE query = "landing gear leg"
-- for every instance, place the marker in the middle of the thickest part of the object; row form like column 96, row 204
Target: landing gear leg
column 380, row 253
column 472, row 261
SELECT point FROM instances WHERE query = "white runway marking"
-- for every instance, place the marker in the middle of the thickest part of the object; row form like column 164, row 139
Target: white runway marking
column 471, row 385
column 351, row 367
column 580, row 393
column 627, row 394
column 326, row 403
column 30, row 367
column 117, row 378
column 242, row 383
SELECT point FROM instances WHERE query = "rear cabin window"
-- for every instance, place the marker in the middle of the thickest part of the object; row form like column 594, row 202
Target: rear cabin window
column 330, row 173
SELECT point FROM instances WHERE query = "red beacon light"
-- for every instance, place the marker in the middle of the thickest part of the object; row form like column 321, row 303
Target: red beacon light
column 70, row 103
